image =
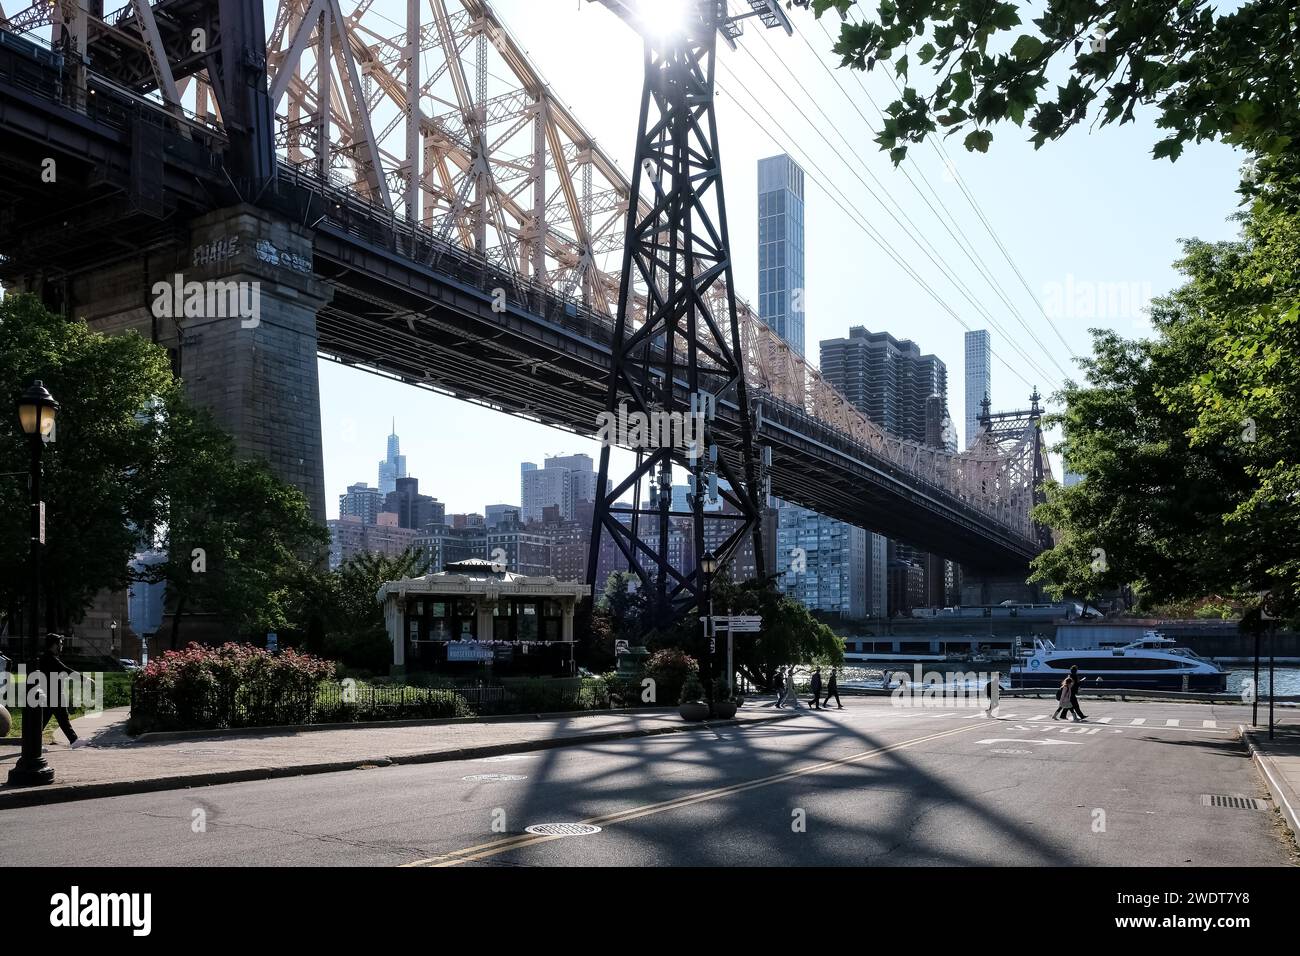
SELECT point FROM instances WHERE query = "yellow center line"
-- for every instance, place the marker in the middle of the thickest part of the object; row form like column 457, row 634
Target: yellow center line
column 484, row 850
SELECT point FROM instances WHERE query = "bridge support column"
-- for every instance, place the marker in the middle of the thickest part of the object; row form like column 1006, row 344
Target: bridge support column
column 236, row 306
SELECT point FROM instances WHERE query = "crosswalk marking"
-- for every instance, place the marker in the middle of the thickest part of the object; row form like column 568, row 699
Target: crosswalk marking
column 1137, row 721
column 1210, row 724
column 1105, row 720
column 1037, row 717
column 1171, row 723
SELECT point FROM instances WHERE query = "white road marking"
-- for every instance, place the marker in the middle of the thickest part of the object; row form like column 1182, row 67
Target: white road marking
column 1209, row 724
column 1171, row 723
column 1137, row 721
column 1037, row 717
column 1105, row 720
column 1022, row 740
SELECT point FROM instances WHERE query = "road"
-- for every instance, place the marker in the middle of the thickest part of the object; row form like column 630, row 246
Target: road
column 869, row 785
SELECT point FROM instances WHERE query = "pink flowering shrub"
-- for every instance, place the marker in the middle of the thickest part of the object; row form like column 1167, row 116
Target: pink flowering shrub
column 234, row 685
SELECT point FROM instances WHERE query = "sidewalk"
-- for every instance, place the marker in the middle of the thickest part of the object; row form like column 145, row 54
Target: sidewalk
column 1279, row 763
column 114, row 764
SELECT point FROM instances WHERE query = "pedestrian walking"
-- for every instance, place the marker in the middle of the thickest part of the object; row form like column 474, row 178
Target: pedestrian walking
column 817, row 689
column 1063, row 698
column 1074, row 693
column 833, row 690
column 53, row 668
column 991, row 690
column 780, row 688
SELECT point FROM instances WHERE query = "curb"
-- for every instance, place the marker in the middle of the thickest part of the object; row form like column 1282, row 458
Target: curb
column 38, row 796
column 1263, row 761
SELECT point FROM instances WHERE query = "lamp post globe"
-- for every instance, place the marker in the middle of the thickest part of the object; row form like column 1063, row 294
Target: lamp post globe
column 37, row 410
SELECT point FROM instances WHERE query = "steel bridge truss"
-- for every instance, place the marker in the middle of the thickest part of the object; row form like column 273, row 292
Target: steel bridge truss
column 443, row 124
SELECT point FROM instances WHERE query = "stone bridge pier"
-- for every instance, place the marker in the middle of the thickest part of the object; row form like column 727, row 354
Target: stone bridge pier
column 235, row 304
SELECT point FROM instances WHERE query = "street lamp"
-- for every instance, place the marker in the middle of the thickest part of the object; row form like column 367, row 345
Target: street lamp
column 36, row 412
column 709, row 567
column 112, row 637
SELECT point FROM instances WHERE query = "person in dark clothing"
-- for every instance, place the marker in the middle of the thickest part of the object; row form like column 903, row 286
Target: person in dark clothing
column 53, row 668
column 833, row 690
column 780, row 688
column 1074, row 694
column 817, row 689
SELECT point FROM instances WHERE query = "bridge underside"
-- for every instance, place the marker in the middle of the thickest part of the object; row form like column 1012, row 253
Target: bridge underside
column 130, row 184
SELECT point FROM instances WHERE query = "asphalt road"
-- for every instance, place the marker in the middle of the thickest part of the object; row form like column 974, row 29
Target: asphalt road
column 869, row 785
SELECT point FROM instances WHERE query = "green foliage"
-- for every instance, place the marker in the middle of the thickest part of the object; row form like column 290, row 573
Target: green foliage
column 235, row 685
column 1209, row 74
column 790, row 634
column 135, row 464
column 342, row 607
column 1190, row 442
column 256, row 534
column 671, row 668
column 692, row 691
column 103, row 472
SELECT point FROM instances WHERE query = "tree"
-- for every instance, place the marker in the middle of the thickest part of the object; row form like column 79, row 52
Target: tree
column 103, row 471
column 790, row 634
column 135, row 464
column 346, row 611
column 1231, row 76
column 1189, row 442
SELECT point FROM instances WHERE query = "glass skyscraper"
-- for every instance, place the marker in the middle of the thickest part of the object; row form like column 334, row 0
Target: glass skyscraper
column 780, row 248
column 979, row 362
column 394, row 464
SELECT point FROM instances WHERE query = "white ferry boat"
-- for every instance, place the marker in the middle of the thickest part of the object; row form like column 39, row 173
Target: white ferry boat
column 1154, row 662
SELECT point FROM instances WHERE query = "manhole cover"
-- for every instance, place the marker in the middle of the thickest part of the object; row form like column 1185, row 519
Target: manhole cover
column 494, row 777
column 1010, row 751
column 1226, row 802
column 562, row 829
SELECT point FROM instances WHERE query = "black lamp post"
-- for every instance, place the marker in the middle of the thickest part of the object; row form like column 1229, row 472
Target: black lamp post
column 36, row 411
column 709, row 567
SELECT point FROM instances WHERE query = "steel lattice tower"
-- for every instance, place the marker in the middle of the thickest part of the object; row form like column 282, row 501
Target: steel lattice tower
column 684, row 357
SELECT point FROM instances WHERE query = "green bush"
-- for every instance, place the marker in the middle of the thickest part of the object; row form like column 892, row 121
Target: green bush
column 670, row 668
column 235, row 685
column 692, row 690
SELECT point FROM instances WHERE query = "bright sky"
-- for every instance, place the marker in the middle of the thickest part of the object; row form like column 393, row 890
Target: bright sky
column 1092, row 215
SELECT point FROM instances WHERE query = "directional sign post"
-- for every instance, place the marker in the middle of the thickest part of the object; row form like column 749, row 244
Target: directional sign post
column 735, row 624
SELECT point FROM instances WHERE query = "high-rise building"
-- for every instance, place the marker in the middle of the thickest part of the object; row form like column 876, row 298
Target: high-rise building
column 781, row 248
column 979, row 378
column 413, row 509
column 906, row 393
column 885, row 378
column 393, row 466
column 523, row 549
column 350, row 537
column 562, row 480
column 822, row 562
column 361, row 501
column 495, row 514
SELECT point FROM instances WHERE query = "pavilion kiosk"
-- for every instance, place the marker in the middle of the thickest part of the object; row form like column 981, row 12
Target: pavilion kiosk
column 474, row 613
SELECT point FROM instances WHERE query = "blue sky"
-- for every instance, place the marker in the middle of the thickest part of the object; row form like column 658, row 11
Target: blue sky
column 1092, row 212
